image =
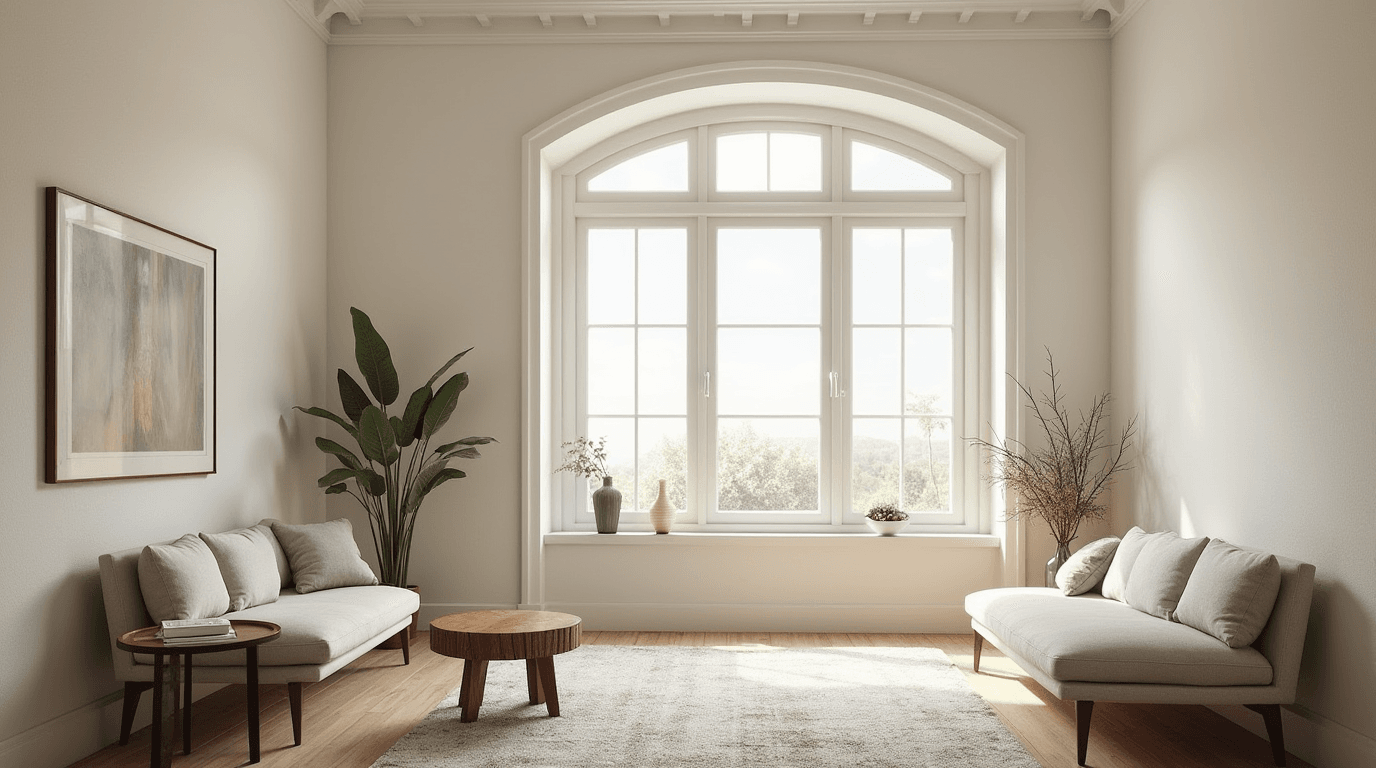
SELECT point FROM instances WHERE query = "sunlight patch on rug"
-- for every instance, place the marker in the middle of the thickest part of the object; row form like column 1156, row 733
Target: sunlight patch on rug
column 756, row 707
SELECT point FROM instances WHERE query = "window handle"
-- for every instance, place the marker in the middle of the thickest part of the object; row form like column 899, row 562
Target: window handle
column 707, row 384
column 835, row 379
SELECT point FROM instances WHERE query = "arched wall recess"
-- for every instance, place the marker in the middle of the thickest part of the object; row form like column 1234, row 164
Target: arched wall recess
column 550, row 149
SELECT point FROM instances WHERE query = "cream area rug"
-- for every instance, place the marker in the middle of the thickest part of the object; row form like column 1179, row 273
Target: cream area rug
column 737, row 707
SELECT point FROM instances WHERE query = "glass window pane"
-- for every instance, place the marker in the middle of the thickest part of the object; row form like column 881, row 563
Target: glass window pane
column 878, row 170
column 874, row 463
column 929, row 254
column 768, row 465
column 769, row 276
column 663, row 367
column 876, row 276
column 660, row 170
column 876, row 381
column 928, row 374
column 663, row 276
column 743, row 162
column 795, row 162
column 663, row 456
column 611, row 276
column 927, row 464
column 620, row 434
column 611, row 371
column 769, row 371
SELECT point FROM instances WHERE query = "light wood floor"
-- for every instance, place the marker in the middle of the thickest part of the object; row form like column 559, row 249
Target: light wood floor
column 360, row 711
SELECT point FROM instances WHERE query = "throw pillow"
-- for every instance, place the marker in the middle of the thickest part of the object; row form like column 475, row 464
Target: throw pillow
column 324, row 555
column 181, row 580
column 1086, row 568
column 1158, row 577
column 247, row 565
column 1116, row 580
column 1230, row 594
column 283, row 565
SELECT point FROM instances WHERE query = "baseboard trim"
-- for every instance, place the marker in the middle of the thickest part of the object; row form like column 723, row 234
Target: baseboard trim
column 83, row 731
column 766, row 617
column 1311, row 736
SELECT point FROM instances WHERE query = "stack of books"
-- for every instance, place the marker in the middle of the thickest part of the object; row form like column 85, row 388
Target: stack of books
column 196, row 631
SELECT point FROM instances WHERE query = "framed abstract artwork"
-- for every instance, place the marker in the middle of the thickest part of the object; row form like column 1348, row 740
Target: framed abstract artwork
column 130, row 346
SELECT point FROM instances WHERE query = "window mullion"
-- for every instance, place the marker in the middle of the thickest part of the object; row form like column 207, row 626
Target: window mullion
column 838, row 409
column 703, row 490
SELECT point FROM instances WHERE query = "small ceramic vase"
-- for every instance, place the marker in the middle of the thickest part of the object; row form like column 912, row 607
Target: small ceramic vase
column 606, row 506
column 662, row 513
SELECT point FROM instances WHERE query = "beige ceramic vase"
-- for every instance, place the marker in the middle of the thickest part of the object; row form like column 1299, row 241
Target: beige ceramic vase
column 662, row 514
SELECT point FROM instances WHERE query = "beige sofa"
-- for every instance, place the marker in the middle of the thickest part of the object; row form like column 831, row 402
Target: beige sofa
column 322, row 631
column 1090, row 648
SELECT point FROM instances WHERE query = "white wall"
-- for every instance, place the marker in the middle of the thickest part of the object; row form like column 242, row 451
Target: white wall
column 425, row 235
column 1244, row 310
column 207, row 118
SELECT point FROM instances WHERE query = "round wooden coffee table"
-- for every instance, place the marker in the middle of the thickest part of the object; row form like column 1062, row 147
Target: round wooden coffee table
column 249, row 635
column 478, row 637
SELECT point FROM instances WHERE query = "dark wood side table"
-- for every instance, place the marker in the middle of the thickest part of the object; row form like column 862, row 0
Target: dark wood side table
column 478, row 637
column 251, row 634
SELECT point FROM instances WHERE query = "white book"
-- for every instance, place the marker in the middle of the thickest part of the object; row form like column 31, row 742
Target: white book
column 195, row 627
column 202, row 640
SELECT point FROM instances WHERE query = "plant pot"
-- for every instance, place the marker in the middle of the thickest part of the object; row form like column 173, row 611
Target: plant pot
column 887, row 527
column 606, row 506
column 393, row 643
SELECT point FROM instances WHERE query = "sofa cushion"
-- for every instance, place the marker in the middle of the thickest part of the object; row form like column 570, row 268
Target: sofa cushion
column 1230, row 593
column 181, row 580
column 1158, row 577
column 321, row 626
column 1086, row 568
column 1116, row 579
column 283, row 565
column 323, row 555
column 1093, row 639
column 247, row 565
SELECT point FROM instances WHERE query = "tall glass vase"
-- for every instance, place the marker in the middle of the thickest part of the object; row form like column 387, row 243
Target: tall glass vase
column 1054, row 564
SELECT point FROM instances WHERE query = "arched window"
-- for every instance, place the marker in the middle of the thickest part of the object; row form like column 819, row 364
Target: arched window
column 777, row 311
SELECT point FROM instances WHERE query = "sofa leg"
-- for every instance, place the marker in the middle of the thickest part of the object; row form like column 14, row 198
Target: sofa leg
column 1274, row 730
column 294, row 697
column 404, row 637
column 132, row 692
column 979, row 646
column 1083, row 711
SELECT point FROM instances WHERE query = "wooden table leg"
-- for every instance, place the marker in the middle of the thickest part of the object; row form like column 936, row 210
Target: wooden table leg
column 186, row 706
column 253, row 752
column 471, row 693
column 165, row 668
column 537, row 691
column 551, row 691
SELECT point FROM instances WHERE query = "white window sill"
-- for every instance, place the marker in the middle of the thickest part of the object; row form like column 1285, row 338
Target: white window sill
column 829, row 540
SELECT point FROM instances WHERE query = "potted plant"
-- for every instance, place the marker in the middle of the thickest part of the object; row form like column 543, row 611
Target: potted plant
column 389, row 481
column 585, row 458
column 886, row 519
column 1061, row 482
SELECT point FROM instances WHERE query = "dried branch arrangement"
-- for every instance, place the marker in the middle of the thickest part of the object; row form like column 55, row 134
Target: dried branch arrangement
column 1062, row 482
column 585, row 458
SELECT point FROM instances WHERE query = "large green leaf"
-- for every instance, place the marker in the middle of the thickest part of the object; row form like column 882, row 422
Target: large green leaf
column 324, row 414
column 376, row 438
column 445, row 367
column 443, row 404
column 374, row 359
column 372, row 482
column 431, row 476
column 337, row 475
column 466, row 441
column 462, row 453
column 335, row 449
column 337, row 488
column 352, row 396
column 445, row 475
column 411, row 419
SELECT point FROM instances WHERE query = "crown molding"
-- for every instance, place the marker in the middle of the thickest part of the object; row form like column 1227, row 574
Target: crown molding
column 533, row 22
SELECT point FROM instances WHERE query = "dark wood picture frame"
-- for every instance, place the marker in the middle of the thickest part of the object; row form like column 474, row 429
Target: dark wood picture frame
column 130, row 352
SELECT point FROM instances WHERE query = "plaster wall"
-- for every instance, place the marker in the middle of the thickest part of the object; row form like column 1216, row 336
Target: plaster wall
column 425, row 235
column 1244, row 311
column 208, row 119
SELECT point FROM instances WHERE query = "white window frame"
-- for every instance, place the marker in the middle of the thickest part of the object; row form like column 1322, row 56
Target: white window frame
column 842, row 209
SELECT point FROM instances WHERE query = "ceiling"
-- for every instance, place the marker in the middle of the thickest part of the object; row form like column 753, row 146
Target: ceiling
column 485, row 22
